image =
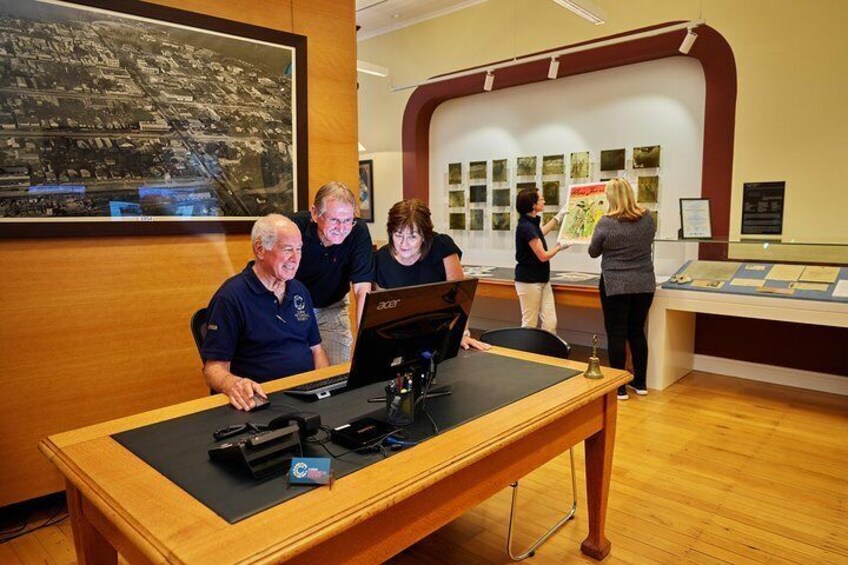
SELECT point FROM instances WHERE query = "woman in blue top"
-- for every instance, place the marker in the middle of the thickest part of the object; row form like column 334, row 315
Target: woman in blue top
column 624, row 237
column 533, row 267
column 416, row 254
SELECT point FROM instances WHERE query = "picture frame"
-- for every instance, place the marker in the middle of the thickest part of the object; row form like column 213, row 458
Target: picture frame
column 180, row 123
column 366, row 190
column 695, row 220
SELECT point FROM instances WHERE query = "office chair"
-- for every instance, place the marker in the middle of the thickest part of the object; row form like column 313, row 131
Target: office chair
column 533, row 340
column 198, row 328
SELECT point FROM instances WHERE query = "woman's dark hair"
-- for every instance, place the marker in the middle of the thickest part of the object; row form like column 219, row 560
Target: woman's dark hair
column 415, row 215
column 526, row 200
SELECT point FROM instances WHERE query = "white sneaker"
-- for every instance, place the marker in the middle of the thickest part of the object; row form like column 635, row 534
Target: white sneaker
column 639, row 391
column 622, row 393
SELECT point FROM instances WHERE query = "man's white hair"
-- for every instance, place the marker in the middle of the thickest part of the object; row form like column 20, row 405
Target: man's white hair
column 265, row 230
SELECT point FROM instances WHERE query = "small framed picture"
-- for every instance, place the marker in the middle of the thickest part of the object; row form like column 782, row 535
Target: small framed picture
column 695, row 218
column 366, row 190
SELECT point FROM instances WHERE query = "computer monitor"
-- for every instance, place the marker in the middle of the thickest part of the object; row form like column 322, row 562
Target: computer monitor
column 400, row 325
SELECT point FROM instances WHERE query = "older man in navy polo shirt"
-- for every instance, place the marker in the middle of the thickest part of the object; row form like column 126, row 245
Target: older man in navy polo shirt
column 261, row 321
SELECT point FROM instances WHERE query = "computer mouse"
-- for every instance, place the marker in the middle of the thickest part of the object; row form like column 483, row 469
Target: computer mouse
column 260, row 403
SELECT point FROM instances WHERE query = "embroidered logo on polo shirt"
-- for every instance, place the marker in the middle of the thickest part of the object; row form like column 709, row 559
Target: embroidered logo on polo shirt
column 301, row 315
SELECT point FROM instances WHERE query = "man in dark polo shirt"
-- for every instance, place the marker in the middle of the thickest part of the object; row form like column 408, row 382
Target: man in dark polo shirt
column 336, row 254
column 261, row 322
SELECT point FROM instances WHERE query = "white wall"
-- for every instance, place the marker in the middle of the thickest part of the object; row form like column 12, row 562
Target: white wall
column 653, row 103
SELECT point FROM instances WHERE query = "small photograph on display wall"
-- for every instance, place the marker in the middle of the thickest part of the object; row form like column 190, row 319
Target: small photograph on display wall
column 550, row 191
column 366, row 190
column 587, row 203
column 500, row 221
column 656, row 219
column 499, row 170
column 646, row 157
column 456, row 199
column 477, row 170
column 526, row 167
column 526, row 186
column 500, row 197
column 553, row 164
column 612, row 159
column 457, row 221
column 455, row 173
column 476, row 220
column 478, row 193
column 648, row 189
column 580, row 165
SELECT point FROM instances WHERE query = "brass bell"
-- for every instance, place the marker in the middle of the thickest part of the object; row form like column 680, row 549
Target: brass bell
column 593, row 371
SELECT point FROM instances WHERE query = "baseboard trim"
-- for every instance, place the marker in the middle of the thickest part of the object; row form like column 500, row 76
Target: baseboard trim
column 797, row 378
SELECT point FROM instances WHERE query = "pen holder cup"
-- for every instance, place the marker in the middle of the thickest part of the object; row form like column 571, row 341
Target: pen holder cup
column 400, row 406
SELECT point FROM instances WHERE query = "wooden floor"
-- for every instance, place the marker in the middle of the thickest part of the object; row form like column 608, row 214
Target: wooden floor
column 711, row 470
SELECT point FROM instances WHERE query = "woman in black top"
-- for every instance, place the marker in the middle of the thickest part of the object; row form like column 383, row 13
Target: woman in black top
column 416, row 254
column 533, row 268
column 624, row 236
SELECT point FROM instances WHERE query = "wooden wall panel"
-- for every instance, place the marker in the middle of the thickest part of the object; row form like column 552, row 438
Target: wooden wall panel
column 97, row 328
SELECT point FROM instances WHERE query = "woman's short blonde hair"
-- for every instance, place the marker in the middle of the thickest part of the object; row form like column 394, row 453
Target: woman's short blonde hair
column 622, row 201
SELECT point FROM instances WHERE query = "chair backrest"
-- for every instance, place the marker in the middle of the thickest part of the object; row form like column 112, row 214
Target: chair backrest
column 531, row 340
column 198, row 328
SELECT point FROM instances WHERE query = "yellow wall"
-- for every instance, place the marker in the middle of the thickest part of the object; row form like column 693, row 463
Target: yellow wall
column 792, row 66
column 96, row 328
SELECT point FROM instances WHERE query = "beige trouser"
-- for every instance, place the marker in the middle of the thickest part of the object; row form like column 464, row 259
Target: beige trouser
column 334, row 327
column 537, row 301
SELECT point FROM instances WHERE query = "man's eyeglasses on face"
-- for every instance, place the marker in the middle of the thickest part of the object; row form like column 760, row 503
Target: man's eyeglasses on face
column 338, row 222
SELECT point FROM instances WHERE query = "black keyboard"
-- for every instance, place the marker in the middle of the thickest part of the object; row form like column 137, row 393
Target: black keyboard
column 320, row 388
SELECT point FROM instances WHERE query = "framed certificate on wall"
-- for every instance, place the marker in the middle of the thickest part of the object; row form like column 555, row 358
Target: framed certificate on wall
column 695, row 218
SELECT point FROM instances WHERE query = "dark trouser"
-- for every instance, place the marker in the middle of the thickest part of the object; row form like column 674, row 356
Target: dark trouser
column 624, row 320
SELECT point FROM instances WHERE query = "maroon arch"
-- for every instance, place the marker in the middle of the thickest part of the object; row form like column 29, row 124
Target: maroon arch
column 711, row 50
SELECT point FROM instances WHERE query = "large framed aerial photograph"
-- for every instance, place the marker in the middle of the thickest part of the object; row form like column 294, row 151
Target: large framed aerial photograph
column 123, row 118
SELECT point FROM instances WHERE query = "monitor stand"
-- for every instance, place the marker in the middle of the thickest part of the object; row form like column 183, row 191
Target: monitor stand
column 435, row 393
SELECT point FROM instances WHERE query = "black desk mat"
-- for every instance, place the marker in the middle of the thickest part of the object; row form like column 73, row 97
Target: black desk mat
column 481, row 383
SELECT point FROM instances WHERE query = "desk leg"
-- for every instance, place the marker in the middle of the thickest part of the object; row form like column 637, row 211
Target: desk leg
column 598, row 470
column 91, row 546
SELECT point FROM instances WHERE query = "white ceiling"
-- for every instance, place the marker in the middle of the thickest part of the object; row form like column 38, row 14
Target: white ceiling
column 376, row 17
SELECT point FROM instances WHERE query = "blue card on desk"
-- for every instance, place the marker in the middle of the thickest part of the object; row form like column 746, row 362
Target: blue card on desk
column 310, row 471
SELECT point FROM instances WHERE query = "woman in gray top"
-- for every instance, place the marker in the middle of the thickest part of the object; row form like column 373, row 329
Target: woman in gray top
column 624, row 237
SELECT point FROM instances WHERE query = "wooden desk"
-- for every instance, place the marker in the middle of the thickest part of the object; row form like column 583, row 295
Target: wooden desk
column 117, row 502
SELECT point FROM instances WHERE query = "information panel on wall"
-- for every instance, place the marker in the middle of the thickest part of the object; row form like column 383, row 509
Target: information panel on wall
column 762, row 208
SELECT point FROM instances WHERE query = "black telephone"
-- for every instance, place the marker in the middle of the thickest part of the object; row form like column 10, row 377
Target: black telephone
column 307, row 422
column 270, row 450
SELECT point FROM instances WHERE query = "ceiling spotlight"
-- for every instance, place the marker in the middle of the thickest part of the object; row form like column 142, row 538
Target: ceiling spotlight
column 554, row 68
column 489, row 82
column 688, row 41
column 585, row 9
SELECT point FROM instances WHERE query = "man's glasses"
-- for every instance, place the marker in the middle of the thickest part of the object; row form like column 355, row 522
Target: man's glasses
column 338, row 222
